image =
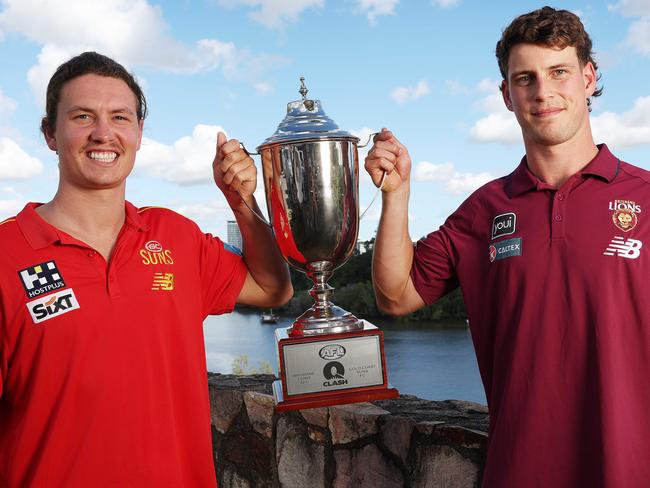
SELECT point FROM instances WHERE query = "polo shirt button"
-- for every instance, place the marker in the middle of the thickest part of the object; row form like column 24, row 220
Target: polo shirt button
column 560, row 196
column 558, row 218
column 91, row 254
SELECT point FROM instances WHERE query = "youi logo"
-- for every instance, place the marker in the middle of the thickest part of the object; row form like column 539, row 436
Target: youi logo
column 504, row 225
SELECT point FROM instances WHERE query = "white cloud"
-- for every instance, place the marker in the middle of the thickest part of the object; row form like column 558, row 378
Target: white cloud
column 638, row 35
column 11, row 202
column 132, row 31
column 499, row 125
column 627, row 129
column 7, row 105
column 445, row 3
column 376, row 8
column 426, row 171
column 275, row 14
column 402, row 94
column 631, row 8
column 263, row 88
column 488, row 85
column 467, row 182
column 188, row 161
column 454, row 181
column 457, row 88
column 16, row 164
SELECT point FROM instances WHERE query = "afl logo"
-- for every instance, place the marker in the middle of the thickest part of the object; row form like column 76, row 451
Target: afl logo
column 153, row 246
column 332, row 351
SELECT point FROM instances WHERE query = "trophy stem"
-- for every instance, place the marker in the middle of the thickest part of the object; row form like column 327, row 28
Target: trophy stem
column 323, row 317
column 321, row 292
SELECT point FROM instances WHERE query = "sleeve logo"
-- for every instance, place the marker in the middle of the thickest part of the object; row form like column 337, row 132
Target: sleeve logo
column 52, row 305
column 41, row 278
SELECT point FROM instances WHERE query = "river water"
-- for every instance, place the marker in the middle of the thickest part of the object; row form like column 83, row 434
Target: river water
column 430, row 360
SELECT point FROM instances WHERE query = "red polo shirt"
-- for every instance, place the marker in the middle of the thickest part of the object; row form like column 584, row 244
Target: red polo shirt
column 103, row 364
column 556, row 285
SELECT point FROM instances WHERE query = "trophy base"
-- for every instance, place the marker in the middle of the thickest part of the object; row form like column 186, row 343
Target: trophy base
column 331, row 369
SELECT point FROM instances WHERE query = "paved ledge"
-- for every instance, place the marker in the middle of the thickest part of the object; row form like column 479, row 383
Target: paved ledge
column 406, row 442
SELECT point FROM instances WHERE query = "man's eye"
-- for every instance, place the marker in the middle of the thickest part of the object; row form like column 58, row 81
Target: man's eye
column 560, row 72
column 122, row 118
column 82, row 117
column 522, row 80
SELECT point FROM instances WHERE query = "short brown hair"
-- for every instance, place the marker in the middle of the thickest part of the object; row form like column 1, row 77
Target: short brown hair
column 87, row 63
column 548, row 27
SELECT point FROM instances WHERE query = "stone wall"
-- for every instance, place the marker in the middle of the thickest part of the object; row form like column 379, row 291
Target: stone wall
column 405, row 442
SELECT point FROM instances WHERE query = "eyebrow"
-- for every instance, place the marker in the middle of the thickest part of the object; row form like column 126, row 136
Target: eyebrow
column 80, row 108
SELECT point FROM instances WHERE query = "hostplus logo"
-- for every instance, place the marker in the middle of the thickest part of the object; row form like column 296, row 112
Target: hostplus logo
column 41, row 278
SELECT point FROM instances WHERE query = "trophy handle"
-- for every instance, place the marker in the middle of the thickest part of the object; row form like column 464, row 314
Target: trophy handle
column 259, row 217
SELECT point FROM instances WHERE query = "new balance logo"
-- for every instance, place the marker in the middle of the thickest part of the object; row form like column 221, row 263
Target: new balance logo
column 629, row 249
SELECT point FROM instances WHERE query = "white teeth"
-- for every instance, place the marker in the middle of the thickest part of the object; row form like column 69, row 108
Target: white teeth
column 105, row 157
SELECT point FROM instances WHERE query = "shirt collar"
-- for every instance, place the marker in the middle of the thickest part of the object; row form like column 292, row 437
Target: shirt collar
column 40, row 234
column 605, row 165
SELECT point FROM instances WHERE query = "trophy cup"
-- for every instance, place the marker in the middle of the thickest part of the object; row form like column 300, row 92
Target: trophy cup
column 311, row 179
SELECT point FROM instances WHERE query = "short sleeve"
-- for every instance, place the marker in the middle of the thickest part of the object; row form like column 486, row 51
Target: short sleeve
column 434, row 262
column 223, row 273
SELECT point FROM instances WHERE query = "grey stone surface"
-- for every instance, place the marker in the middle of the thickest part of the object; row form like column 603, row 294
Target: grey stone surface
column 365, row 467
column 231, row 479
column 224, row 407
column 355, row 421
column 316, row 416
column 260, row 408
column 443, row 467
column 301, row 463
column 396, row 435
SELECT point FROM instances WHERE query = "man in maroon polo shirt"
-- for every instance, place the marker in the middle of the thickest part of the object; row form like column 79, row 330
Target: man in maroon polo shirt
column 554, row 273
column 102, row 361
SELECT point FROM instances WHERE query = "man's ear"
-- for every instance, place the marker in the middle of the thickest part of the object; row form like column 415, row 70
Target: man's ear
column 589, row 75
column 505, row 93
column 48, row 133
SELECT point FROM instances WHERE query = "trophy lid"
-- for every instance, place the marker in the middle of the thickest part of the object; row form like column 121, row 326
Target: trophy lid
column 306, row 120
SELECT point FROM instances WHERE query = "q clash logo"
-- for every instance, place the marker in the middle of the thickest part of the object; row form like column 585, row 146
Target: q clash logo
column 41, row 278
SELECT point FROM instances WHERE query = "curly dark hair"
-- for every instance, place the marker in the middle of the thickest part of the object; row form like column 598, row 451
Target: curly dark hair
column 548, row 27
column 86, row 63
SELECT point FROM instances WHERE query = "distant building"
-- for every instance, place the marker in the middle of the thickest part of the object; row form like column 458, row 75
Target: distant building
column 234, row 236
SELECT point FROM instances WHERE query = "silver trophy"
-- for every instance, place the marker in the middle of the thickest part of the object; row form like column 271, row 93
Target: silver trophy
column 311, row 178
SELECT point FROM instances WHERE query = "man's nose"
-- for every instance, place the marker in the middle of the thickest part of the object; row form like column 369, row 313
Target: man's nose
column 102, row 130
column 542, row 88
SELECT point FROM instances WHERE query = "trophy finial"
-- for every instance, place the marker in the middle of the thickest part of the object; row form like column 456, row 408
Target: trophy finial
column 303, row 89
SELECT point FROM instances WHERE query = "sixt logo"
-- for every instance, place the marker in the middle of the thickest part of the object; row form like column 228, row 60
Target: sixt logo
column 332, row 351
column 503, row 225
column 53, row 305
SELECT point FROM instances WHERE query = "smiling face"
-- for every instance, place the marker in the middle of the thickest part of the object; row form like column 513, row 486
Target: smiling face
column 547, row 89
column 97, row 132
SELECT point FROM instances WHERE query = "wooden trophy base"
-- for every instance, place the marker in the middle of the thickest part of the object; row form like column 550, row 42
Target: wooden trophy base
column 331, row 369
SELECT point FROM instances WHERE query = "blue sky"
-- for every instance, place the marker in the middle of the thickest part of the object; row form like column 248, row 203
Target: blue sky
column 425, row 69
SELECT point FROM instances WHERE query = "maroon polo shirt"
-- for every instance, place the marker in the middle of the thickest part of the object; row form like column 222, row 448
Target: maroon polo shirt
column 557, row 289
column 103, row 364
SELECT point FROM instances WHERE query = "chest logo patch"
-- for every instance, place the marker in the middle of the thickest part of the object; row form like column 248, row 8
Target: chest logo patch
column 153, row 253
column 505, row 249
column 503, row 225
column 41, row 278
column 629, row 249
column 53, row 305
column 163, row 282
column 625, row 214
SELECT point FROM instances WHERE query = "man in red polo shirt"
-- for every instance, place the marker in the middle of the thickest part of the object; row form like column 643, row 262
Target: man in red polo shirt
column 102, row 362
column 554, row 273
